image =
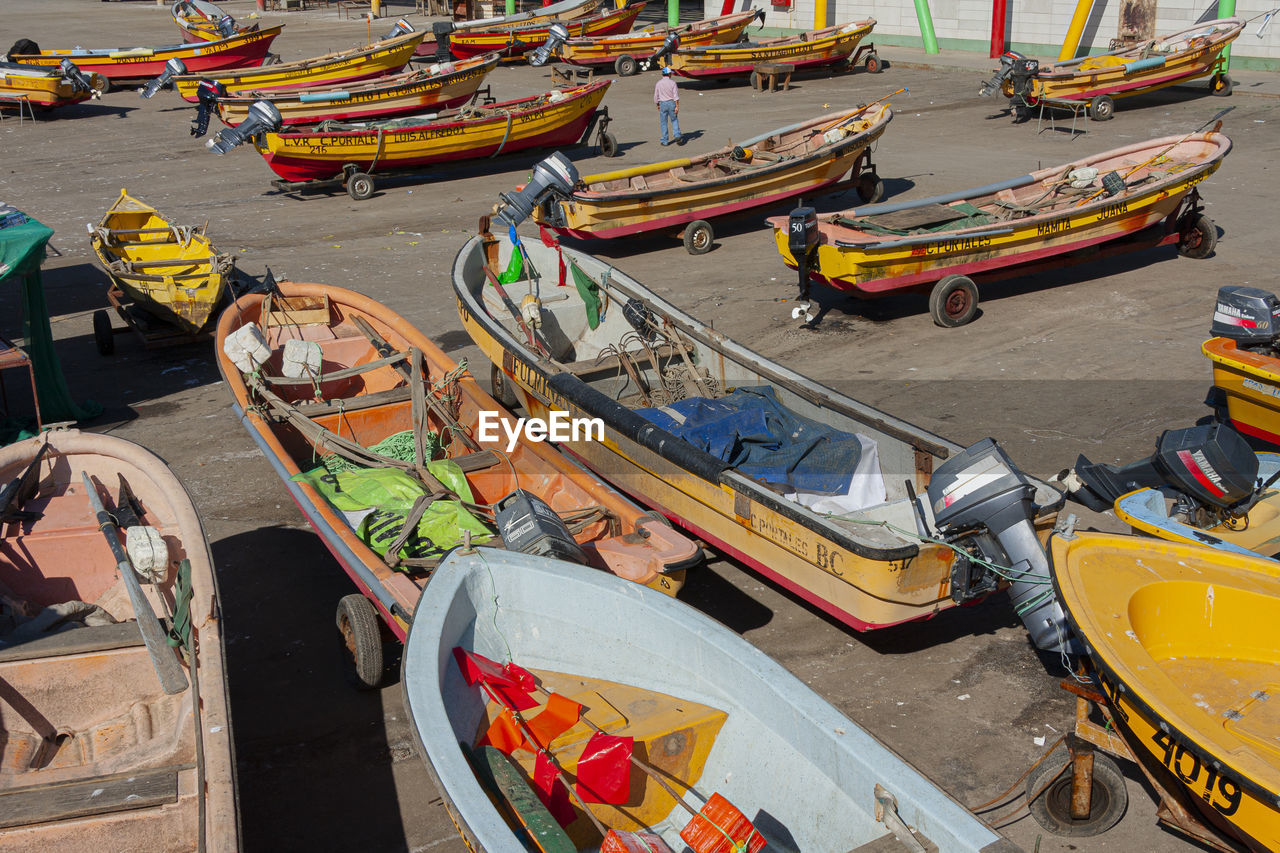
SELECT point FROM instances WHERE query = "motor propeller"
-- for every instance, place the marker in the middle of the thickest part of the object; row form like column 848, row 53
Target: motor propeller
column 263, row 118
column 173, row 68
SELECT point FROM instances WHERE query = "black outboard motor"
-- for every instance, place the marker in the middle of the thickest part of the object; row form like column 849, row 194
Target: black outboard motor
column 669, row 46
column 1249, row 316
column 207, row 94
column 554, row 176
column 984, row 505
column 401, row 28
column 442, row 30
column 263, row 118
column 1209, row 467
column 802, row 241
column 557, row 34
column 173, row 68
column 79, row 82
column 1013, row 65
column 226, row 26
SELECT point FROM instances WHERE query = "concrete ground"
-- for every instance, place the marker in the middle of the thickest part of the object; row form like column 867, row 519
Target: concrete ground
column 1096, row 359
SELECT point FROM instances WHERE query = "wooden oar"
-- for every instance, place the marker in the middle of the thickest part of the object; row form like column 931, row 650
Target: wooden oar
column 862, row 109
column 172, row 678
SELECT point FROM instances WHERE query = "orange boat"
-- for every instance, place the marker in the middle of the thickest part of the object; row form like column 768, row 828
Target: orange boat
column 627, row 51
column 395, row 455
column 513, row 42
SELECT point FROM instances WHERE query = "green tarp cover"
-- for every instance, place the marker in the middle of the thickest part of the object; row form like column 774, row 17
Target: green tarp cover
column 972, row 219
column 22, row 250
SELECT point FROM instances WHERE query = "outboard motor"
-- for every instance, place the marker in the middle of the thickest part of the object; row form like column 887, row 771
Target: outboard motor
column 557, row 34
column 173, row 68
column 1013, row 66
column 669, row 46
column 263, row 118
column 207, row 94
column 1210, row 469
column 442, row 30
column 79, row 82
column 1249, row 316
column 401, row 28
column 984, row 505
column 802, row 241
column 226, row 26
column 554, row 176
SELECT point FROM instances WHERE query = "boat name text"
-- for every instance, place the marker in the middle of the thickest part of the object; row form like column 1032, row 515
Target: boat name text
column 962, row 244
column 1045, row 228
column 1110, row 211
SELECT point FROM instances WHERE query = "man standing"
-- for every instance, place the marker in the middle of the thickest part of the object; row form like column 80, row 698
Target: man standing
column 667, row 97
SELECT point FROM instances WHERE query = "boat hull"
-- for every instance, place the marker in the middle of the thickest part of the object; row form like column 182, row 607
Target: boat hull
column 45, row 91
column 588, row 52
column 566, row 10
column 306, row 156
column 139, row 65
column 1251, row 384
column 818, row 49
column 520, row 40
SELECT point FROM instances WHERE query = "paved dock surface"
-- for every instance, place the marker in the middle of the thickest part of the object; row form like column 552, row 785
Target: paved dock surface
column 1097, row 359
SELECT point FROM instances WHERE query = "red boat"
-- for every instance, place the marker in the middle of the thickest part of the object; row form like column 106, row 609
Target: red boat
column 519, row 40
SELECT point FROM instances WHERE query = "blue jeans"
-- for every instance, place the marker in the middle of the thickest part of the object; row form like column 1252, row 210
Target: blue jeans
column 667, row 112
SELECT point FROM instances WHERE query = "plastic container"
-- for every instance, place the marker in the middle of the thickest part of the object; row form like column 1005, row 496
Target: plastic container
column 529, row 525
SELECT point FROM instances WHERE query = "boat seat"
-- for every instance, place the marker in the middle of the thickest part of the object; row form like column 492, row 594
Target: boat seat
column 56, row 801
column 638, row 183
column 75, row 641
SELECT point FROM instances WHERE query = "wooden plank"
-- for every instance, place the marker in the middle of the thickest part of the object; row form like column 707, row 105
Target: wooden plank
column 918, row 217
column 890, row 844
column 76, row 641
column 101, row 795
column 500, row 776
column 477, row 461
column 351, row 404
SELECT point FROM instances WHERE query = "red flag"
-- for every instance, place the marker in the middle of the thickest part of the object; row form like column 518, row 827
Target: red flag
column 558, row 717
column 604, row 770
column 552, row 791
column 512, row 683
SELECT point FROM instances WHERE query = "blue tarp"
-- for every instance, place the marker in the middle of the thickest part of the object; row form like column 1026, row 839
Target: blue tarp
column 750, row 430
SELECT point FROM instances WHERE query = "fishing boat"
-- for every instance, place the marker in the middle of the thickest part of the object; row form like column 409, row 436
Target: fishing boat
column 438, row 86
column 1182, row 644
column 46, row 88
column 682, row 195
column 649, row 726
column 515, row 41
column 200, row 20
column 394, row 455
column 1138, row 196
column 1131, row 70
column 839, row 531
column 128, row 65
column 383, row 57
column 563, row 10
column 172, row 271
column 115, row 731
column 349, row 153
column 1250, row 383
column 812, row 49
column 625, row 52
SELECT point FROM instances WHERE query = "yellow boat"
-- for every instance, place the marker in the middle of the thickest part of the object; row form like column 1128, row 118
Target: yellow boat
column 173, row 271
column 1183, row 641
column 514, row 42
column 199, row 20
column 684, row 194
column 626, row 51
column 813, row 49
column 382, row 57
column 1250, row 382
column 46, row 88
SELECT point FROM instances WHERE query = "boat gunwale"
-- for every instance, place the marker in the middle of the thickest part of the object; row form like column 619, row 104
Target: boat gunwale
column 661, row 31
column 335, row 57
column 834, row 35
column 610, row 16
column 389, row 82
column 154, row 56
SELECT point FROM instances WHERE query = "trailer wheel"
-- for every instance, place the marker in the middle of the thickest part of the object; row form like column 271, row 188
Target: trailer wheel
column 626, row 65
column 608, row 144
column 1052, row 809
column 954, row 301
column 103, row 335
column 1102, row 108
column 502, row 388
column 1221, row 85
column 869, row 188
column 359, row 186
column 1198, row 237
column 872, row 64
column 698, row 237
column 361, row 642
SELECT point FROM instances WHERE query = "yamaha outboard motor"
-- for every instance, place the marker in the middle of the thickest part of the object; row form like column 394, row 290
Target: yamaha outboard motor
column 173, row 68
column 1207, row 468
column 984, row 505
column 557, row 34
column 207, row 94
column 263, row 118
column 226, row 26
column 442, row 30
column 1013, row 65
column 401, row 28
column 79, row 82
column 669, row 46
column 802, row 241
column 554, row 176
column 1248, row 316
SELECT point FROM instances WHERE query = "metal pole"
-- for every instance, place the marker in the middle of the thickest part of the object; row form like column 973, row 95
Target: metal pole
column 1072, row 42
column 926, row 26
column 999, row 39
column 819, row 14
column 1226, row 9
column 673, row 12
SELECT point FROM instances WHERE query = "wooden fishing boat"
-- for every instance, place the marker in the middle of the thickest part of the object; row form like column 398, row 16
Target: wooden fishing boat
column 46, row 88
column 1133, row 197
column 683, row 194
column 557, row 118
column 1182, row 642
column 515, row 41
column 115, row 734
column 125, row 65
column 383, row 57
column 625, row 51
column 373, row 382
column 1134, row 70
column 563, row 10
column 608, row 346
column 172, row 271
column 688, row 715
column 1250, row 383
column 813, row 49
column 200, row 20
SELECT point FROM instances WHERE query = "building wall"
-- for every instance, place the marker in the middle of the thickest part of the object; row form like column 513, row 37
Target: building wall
column 1037, row 27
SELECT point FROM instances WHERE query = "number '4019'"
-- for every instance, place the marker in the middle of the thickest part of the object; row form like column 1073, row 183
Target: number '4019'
column 1186, row 766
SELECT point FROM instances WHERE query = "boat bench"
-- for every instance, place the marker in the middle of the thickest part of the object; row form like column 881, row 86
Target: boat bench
column 775, row 72
column 83, row 798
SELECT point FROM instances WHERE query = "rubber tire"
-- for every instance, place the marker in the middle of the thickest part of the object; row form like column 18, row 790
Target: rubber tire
column 954, row 291
column 1199, row 238
column 103, row 335
column 699, row 237
column 358, row 624
column 502, row 388
column 626, row 66
column 1221, row 85
column 872, row 64
column 359, row 186
column 869, row 188
column 1052, row 809
column 1102, row 108
column 608, row 144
